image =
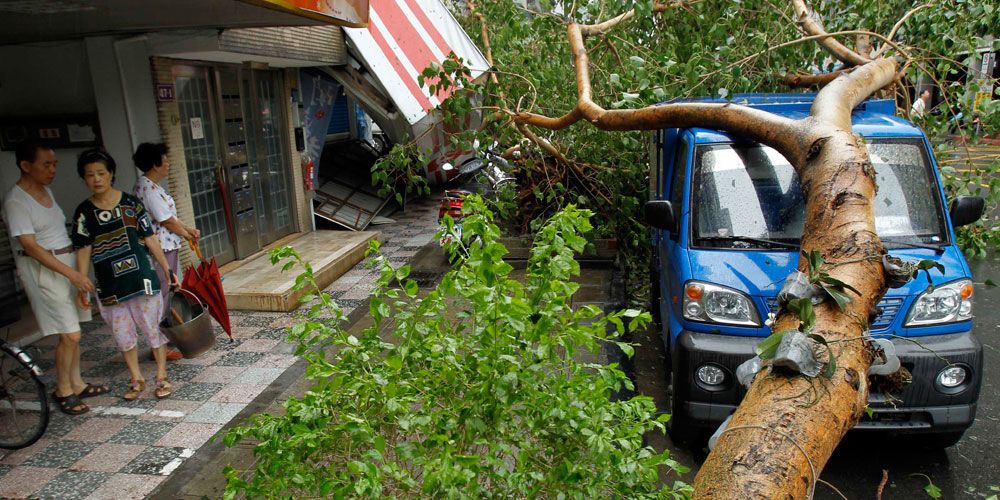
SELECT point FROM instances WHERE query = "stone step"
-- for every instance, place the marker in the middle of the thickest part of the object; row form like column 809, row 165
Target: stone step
column 258, row 286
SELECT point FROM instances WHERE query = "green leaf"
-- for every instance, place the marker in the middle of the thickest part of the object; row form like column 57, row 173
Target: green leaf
column 932, row 490
column 839, row 297
column 804, row 310
column 989, row 283
column 767, row 348
column 869, row 411
column 839, row 284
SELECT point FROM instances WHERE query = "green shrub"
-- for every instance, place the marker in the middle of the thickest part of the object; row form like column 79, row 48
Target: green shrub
column 474, row 388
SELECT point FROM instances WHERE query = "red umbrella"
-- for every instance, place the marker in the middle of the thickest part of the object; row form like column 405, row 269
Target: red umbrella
column 206, row 282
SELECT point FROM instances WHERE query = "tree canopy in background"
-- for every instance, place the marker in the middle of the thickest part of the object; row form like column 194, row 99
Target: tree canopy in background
column 701, row 48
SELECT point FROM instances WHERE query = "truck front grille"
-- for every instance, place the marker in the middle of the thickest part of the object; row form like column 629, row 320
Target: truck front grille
column 887, row 309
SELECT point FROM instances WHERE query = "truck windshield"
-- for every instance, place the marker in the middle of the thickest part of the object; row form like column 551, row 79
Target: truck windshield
column 748, row 196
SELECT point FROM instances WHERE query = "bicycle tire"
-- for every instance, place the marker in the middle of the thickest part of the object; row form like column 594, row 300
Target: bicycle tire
column 24, row 403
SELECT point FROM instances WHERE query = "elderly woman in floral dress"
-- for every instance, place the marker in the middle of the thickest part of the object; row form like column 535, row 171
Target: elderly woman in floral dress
column 112, row 231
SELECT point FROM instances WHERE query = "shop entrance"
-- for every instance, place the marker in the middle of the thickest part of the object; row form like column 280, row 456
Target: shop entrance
column 235, row 134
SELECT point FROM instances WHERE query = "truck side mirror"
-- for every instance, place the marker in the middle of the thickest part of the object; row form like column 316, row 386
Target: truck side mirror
column 660, row 214
column 966, row 210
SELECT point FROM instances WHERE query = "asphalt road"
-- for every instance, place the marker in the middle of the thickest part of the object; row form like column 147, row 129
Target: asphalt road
column 966, row 470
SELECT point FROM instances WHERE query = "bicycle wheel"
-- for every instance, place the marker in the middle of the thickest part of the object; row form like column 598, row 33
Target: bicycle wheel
column 24, row 405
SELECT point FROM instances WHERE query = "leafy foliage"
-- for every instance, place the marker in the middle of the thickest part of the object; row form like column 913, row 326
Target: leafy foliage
column 474, row 388
column 713, row 48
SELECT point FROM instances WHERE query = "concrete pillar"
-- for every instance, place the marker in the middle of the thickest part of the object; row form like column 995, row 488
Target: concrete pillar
column 111, row 107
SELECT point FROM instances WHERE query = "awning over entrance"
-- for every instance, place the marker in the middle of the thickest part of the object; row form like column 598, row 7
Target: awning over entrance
column 45, row 20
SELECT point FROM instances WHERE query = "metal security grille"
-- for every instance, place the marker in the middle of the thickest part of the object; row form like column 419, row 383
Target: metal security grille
column 275, row 171
column 202, row 158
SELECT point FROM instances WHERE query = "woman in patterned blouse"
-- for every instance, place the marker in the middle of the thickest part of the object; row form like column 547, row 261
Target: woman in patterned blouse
column 112, row 230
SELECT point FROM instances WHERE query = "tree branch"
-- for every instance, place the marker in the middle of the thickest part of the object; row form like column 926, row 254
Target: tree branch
column 830, row 44
column 807, row 80
column 895, row 28
column 775, row 131
column 835, row 102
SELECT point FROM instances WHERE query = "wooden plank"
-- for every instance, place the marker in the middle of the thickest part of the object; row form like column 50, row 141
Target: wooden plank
column 259, row 286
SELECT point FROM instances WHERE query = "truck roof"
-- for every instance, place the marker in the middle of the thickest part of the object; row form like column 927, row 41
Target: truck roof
column 871, row 118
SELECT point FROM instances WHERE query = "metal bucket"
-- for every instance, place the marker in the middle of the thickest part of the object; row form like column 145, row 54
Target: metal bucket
column 194, row 336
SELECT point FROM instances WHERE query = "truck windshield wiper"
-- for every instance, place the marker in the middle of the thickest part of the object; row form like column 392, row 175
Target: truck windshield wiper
column 939, row 248
column 748, row 239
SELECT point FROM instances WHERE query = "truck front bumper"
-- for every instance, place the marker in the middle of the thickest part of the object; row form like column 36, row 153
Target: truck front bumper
column 922, row 406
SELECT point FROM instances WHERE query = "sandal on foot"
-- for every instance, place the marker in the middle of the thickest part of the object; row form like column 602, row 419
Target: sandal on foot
column 93, row 390
column 163, row 389
column 134, row 390
column 71, row 405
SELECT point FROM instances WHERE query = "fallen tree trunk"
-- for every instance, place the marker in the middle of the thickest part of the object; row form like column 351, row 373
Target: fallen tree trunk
column 788, row 425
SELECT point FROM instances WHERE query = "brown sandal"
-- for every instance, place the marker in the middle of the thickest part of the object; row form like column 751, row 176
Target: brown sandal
column 134, row 390
column 163, row 388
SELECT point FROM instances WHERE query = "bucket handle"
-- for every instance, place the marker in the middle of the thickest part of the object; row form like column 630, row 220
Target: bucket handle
column 192, row 294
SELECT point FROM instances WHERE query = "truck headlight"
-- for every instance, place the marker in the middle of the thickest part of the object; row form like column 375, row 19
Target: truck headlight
column 946, row 304
column 952, row 376
column 716, row 304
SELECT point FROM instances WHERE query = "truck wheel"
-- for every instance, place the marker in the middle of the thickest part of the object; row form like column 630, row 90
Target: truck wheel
column 941, row 440
column 680, row 429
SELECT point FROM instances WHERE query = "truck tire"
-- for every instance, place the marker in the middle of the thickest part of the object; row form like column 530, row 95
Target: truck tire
column 680, row 429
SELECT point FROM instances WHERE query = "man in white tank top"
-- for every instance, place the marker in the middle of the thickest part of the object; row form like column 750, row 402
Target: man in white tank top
column 45, row 263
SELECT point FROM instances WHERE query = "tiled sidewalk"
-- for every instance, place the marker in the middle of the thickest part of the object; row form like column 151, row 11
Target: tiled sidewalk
column 126, row 449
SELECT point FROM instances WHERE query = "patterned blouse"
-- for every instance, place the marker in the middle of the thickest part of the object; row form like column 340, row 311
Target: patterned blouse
column 121, row 261
column 161, row 207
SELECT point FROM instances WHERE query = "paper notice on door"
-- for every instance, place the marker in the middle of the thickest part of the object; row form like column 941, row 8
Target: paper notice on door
column 197, row 131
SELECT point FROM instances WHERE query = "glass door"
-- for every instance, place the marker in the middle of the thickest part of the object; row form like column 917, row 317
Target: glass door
column 267, row 143
column 238, row 158
column 204, row 165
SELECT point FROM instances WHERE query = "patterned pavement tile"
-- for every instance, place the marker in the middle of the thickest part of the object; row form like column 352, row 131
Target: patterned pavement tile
column 183, row 373
column 152, row 460
column 256, row 320
column 99, row 354
column 142, row 432
column 215, row 413
column 194, row 391
column 360, row 292
column 282, row 348
column 97, row 429
column 22, row 481
column 224, row 344
column 127, row 486
column 279, row 334
column 239, row 393
column 350, row 304
column 17, row 457
column 283, row 322
column 72, row 484
column 110, row 369
column 272, row 360
column 239, row 359
column 204, row 359
column 219, row 374
column 171, row 410
column 109, row 457
column 243, row 332
column 257, row 345
column 61, row 424
column 60, row 454
column 259, row 375
column 189, row 435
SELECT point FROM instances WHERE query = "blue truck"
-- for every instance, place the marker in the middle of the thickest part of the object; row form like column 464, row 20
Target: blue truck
column 727, row 215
